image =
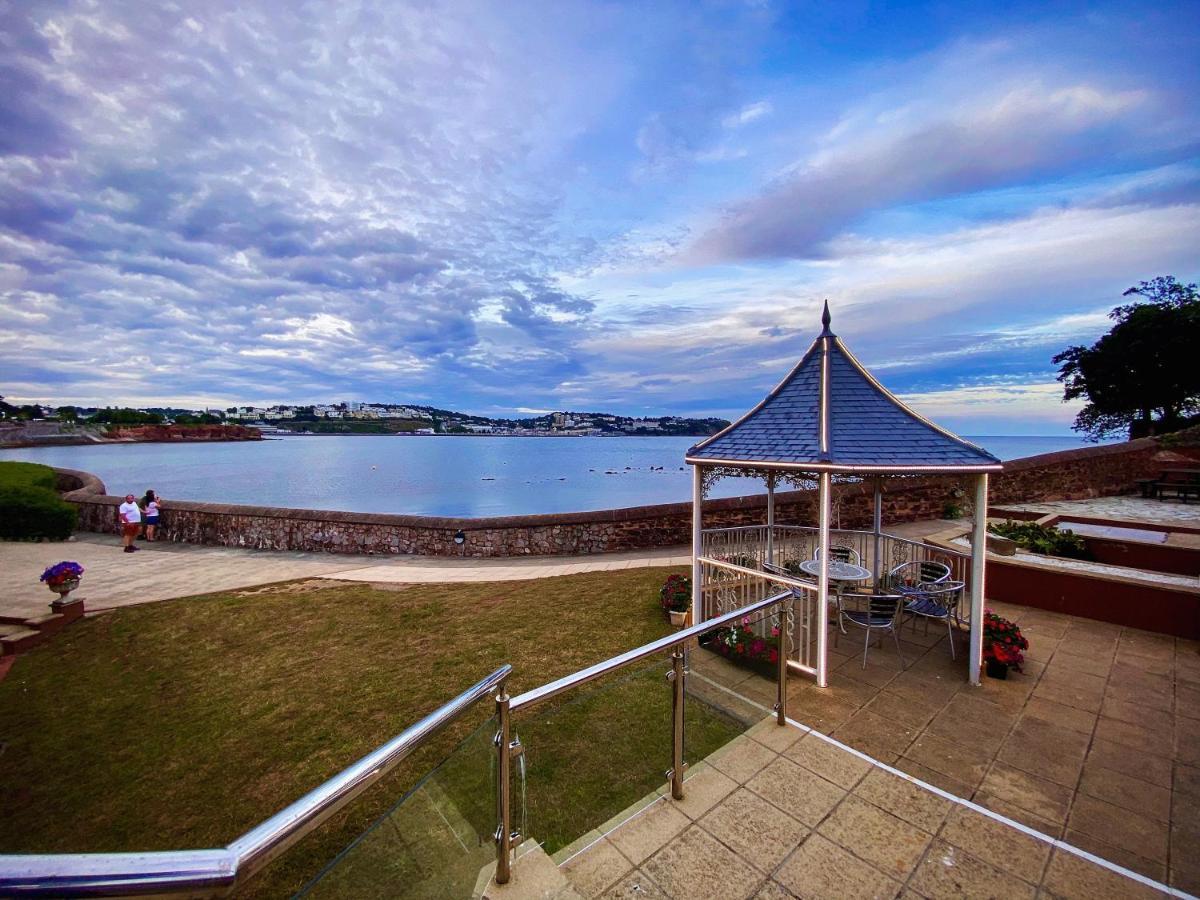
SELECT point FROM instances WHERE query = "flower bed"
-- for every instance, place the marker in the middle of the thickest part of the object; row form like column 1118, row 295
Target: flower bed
column 744, row 646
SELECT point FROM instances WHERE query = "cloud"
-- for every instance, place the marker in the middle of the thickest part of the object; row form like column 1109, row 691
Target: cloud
column 751, row 112
column 994, row 137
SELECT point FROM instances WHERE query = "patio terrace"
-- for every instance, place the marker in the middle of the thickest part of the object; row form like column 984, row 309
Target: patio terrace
column 1094, row 745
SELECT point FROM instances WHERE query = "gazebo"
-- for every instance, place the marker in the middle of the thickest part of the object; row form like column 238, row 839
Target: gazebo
column 830, row 420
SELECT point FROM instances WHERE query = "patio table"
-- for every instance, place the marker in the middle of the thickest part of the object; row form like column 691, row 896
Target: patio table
column 838, row 571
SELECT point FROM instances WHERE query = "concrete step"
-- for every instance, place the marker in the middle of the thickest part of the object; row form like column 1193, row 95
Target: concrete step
column 48, row 624
column 20, row 641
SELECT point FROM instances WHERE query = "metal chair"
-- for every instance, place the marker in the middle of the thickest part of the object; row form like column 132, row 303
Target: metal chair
column 841, row 554
column 934, row 601
column 878, row 613
column 926, row 571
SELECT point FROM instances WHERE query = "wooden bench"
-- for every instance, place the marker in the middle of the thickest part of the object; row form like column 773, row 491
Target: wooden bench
column 1180, row 484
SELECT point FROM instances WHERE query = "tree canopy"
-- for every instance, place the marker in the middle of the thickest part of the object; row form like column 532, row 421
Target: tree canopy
column 1142, row 377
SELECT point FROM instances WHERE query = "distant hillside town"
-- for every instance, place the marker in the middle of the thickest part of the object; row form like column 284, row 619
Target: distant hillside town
column 352, row 417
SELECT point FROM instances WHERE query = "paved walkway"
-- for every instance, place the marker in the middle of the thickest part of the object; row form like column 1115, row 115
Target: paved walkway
column 1127, row 508
column 162, row 571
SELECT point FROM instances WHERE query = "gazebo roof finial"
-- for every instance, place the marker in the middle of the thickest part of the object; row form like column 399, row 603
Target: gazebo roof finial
column 826, row 319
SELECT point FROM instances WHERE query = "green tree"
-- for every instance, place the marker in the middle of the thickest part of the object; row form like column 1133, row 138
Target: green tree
column 126, row 416
column 67, row 414
column 1142, row 377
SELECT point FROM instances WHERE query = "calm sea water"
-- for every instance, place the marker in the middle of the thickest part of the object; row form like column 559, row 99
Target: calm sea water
column 439, row 476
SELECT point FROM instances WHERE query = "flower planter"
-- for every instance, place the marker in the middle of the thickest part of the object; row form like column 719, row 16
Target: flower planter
column 678, row 617
column 996, row 669
column 62, row 588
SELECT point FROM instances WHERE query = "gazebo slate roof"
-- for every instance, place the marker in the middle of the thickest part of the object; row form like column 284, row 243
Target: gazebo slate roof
column 866, row 428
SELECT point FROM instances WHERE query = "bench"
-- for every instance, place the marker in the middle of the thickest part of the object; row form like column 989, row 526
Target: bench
column 1180, row 484
column 1178, row 490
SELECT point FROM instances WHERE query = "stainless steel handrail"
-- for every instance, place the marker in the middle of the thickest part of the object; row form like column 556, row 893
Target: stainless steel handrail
column 591, row 673
column 208, row 872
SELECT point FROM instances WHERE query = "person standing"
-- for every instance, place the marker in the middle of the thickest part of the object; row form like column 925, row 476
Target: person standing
column 150, row 507
column 130, row 515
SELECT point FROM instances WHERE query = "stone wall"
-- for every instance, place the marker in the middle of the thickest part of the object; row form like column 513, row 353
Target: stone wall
column 1072, row 474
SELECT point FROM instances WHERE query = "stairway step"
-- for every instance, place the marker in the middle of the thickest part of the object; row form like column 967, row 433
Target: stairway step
column 19, row 641
column 40, row 622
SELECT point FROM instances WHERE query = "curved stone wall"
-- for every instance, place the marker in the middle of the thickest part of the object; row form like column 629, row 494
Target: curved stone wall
column 1071, row 474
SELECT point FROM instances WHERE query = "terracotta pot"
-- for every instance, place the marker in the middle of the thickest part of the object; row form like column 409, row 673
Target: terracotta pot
column 996, row 669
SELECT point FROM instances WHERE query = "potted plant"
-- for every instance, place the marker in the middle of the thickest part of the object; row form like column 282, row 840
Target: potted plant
column 676, row 598
column 1002, row 645
column 62, row 578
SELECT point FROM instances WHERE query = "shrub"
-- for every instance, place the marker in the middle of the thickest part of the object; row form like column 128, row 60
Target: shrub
column 1043, row 539
column 23, row 474
column 32, row 512
column 29, row 504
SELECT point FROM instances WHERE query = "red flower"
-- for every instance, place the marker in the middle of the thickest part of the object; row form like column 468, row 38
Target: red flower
column 773, row 656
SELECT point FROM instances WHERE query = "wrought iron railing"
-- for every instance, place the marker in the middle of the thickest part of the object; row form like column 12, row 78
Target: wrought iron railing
column 753, row 545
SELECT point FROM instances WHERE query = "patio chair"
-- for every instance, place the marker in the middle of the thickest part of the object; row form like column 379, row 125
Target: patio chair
column 934, row 601
column 841, row 554
column 927, row 571
column 873, row 613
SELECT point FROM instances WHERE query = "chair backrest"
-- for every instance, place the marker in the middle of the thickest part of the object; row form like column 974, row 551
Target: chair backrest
column 884, row 606
column 841, row 554
column 924, row 572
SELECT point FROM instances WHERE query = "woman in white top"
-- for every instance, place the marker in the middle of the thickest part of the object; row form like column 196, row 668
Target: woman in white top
column 151, row 506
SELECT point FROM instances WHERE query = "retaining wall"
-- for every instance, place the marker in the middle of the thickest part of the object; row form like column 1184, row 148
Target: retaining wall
column 1071, row 474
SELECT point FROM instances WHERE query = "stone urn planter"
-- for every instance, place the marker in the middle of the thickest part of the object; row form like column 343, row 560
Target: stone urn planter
column 64, row 587
column 62, row 578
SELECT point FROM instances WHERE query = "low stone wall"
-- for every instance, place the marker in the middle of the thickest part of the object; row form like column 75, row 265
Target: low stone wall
column 1072, row 474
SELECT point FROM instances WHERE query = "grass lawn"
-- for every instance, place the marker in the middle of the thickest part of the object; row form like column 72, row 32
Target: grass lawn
column 182, row 724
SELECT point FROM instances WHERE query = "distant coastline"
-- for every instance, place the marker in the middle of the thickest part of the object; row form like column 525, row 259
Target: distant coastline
column 58, row 434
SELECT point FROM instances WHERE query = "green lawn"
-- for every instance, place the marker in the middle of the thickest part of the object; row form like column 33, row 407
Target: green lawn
column 182, row 724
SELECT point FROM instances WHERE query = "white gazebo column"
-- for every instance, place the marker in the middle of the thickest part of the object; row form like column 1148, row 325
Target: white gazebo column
column 771, row 518
column 877, row 528
column 978, row 557
column 823, row 581
column 697, row 538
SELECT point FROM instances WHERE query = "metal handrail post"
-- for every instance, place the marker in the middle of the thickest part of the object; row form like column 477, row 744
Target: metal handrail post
column 503, row 788
column 785, row 631
column 677, row 676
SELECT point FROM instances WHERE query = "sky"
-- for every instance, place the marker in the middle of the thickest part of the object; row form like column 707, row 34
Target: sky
column 596, row 206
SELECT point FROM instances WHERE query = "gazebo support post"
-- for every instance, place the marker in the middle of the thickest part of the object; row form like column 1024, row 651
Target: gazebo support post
column 978, row 557
column 823, row 582
column 697, row 549
column 877, row 528
column 771, row 518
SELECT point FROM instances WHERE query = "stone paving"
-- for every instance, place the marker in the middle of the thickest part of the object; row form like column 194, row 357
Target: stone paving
column 1128, row 508
column 785, row 812
column 1097, row 742
column 163, row 570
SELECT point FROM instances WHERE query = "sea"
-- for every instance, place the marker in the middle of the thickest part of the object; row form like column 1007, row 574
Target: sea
column 427, row 475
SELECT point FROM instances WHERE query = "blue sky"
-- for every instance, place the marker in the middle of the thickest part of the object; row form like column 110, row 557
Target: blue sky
column 602, row 206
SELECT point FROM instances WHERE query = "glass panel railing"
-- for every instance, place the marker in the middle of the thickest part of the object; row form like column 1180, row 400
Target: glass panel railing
column 434, row 842
column 733, row 673
column 595, row 751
